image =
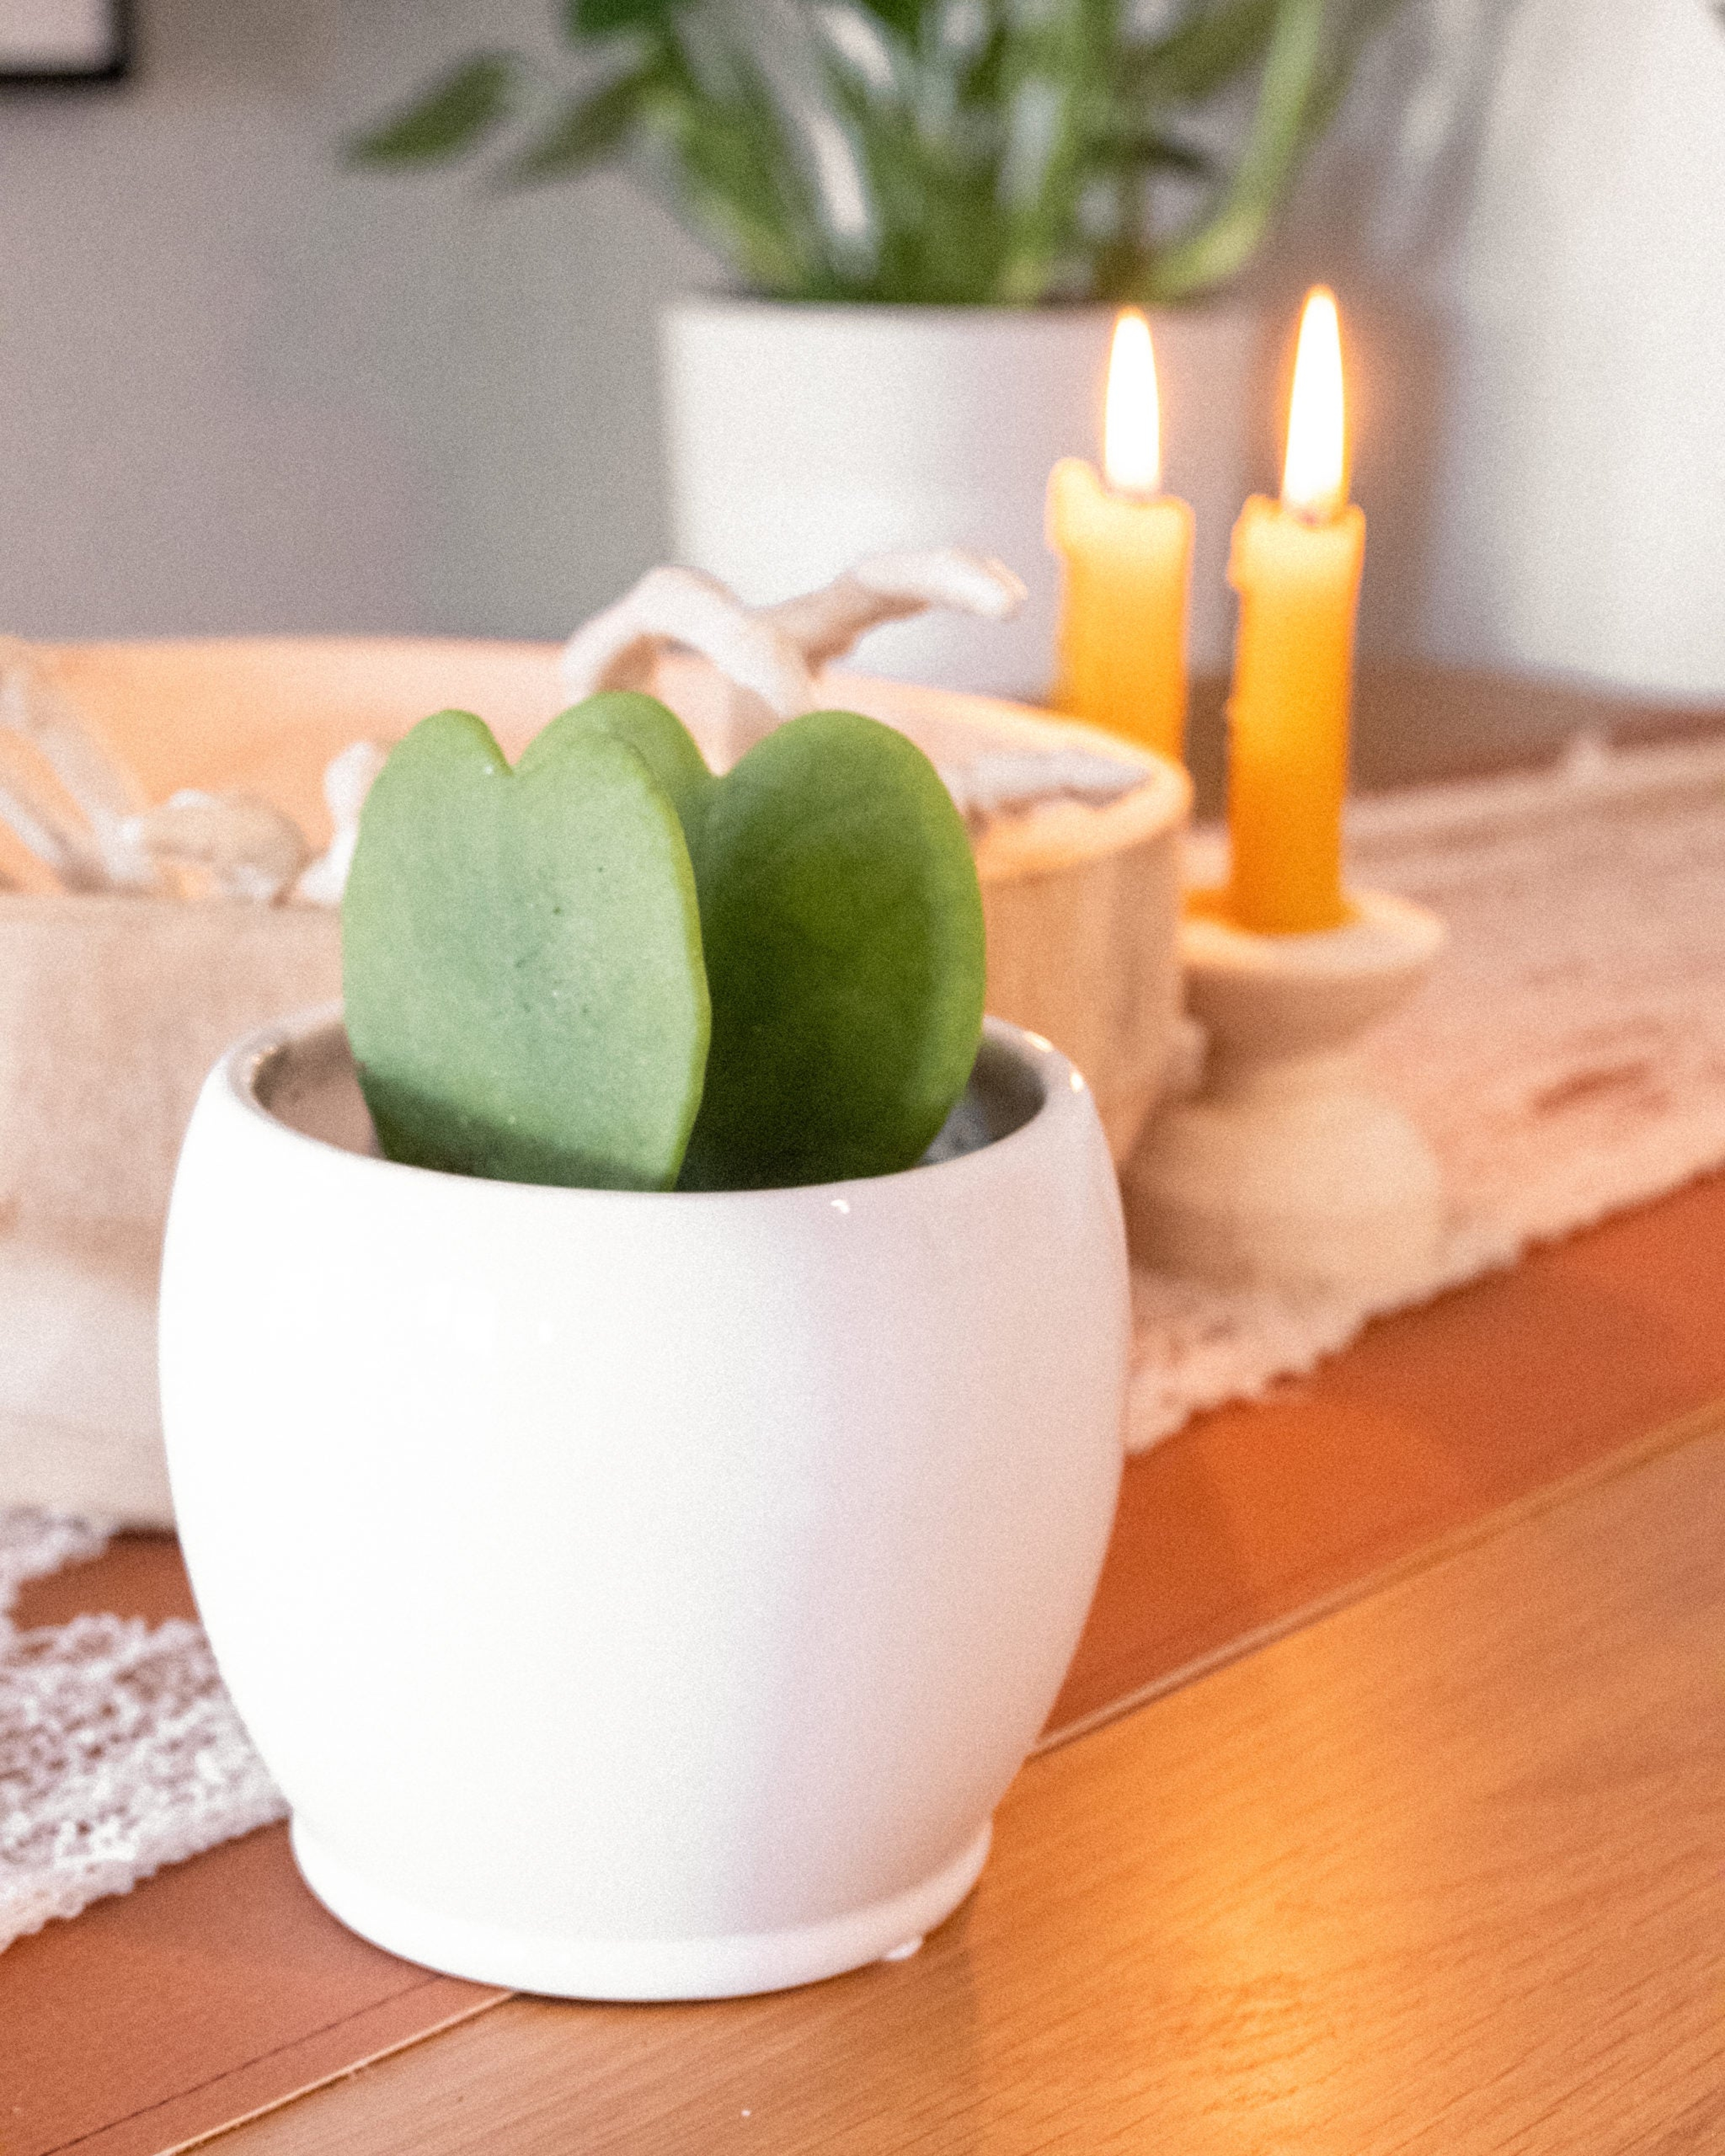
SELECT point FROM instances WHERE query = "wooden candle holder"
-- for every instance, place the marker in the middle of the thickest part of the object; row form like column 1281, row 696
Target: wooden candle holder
column 1282, row 1170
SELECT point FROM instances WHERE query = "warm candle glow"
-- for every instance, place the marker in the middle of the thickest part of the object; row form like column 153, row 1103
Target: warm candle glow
column 1314, row 479
column 1296, row 564
column 1131, row 421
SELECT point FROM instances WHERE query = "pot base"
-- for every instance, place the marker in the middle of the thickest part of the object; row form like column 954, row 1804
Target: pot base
column 725, row 1967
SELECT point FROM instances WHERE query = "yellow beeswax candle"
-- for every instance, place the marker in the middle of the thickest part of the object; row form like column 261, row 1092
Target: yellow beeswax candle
column 1295, row 565
column 1125, row 549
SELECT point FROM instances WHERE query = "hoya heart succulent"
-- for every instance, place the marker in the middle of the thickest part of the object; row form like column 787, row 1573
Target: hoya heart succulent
column 609, row 967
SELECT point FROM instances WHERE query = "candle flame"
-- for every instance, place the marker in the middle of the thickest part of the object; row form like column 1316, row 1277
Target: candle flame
column 1314, row 482
column 1131, row 422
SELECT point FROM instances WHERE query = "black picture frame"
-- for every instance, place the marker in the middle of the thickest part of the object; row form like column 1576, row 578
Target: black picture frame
column 65, row 45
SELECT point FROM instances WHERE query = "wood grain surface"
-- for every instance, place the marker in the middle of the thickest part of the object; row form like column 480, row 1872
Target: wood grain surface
column 117, row 2040
column 1254, row 1516
column 208, row 1993
column 1440, row 1873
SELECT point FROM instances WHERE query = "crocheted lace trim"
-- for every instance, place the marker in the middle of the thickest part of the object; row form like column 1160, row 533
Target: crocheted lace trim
column 120, row 1750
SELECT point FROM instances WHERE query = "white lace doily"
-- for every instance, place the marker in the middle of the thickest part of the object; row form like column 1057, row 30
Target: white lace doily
column 120, row 1750
column 1566, row 1059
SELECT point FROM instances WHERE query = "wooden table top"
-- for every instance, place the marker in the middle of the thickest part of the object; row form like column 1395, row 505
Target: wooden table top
column 1441, row 1872
column 1440, row 1868
column 219, row 1988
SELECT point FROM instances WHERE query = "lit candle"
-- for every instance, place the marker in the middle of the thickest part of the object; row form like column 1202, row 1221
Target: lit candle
column 1295, row 565
column 1126, row 551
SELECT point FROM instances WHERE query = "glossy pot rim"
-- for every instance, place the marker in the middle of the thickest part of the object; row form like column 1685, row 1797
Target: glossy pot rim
column 251, row 1071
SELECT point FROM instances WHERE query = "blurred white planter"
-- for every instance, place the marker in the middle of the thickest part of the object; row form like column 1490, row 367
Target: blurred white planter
column 1582, row 520
column 641, row 1595
column 800, row 437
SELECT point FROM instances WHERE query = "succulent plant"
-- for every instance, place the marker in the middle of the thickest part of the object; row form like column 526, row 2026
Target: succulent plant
column 608, row 967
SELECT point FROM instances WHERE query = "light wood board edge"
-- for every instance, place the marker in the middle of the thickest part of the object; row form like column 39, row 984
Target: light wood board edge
column 1668, row 1437
column 438, row 2028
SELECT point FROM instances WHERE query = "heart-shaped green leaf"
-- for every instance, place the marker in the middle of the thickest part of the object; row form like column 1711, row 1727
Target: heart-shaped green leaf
column 844, row 939
column 843, row 930
column 524, row 964
column 842, row 927
column 657, row 736
column 521, row 960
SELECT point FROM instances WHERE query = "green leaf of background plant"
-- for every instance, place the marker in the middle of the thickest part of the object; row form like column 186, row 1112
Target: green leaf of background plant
column 962, row 208
column 453, row 115
column 1222, row 243
column 904, row 15
column 605, row 18
column 586, row 129
column 1209, row 50
column 1336, row 76
column 735, row 175
column 1061, row 57
column 1144, row 147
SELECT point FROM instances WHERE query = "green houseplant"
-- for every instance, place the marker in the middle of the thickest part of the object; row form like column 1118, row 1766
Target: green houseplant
column 608, row 968
column 938, row 151
column 929, row 211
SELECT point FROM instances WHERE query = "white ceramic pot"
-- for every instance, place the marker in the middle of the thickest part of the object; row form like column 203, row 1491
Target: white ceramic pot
column 800, row 437
column 640, row 1596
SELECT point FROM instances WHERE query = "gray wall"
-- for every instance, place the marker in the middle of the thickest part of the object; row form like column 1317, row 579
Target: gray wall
column 243, row 389
column 240, row 388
